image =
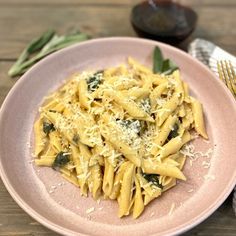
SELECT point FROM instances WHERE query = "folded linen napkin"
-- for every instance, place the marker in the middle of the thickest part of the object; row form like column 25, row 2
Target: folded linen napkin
column 209, row 53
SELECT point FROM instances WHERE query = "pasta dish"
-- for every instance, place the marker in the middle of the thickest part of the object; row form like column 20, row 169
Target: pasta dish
column 118, row 133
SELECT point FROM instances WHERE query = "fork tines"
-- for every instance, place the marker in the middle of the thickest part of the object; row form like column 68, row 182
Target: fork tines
column 226, row 73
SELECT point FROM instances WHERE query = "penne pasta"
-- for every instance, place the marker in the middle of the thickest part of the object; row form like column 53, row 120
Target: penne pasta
column 198, row 118
column 118, row 133
column 126, row 191
column 138, row 200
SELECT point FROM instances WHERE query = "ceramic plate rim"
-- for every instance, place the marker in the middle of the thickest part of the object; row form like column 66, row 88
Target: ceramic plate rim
column 59, row 229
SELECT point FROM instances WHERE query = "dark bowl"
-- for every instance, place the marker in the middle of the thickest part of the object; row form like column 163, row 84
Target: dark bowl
column 164, row 21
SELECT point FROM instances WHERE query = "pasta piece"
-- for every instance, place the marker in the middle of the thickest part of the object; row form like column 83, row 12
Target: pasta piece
column 181, row 160
column 198, row 118
column 137, row 93
column 126, row 191
column 54, row 105
column 158, row 79
column 167, row 109
column 60, row 122
column 169, row 185
column 83, row 94
column 122, row 147
column 156, row 93
column 131, row 107
column 155, row 167
column 40, row 137
column 181, row 111
column 174, row 145
column 138, row 67
column 108, row 178
column 44, row 162
column 150, row 191
column 72, row 179
column 156, row 192
column 179, row 85
column 186, row 93
column 55, row 141
column 118, row 179
column 96, row 181
column 187, row 120
column 138, row 200
column 161, row 137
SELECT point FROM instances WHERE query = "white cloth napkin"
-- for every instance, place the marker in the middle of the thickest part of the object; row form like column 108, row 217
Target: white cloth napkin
column 209, row 53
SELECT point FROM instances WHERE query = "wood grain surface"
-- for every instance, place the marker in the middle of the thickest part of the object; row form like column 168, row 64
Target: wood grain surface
column 22, row 20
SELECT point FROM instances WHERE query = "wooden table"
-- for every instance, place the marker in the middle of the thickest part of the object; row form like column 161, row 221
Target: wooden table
column 20, row 21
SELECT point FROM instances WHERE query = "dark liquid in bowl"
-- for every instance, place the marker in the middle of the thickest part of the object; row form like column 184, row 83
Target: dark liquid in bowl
column 163, row 21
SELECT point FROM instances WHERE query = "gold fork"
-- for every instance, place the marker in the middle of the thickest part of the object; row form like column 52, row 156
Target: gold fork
column 227, row 75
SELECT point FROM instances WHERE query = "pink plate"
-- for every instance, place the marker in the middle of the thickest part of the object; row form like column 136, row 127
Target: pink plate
column 57, row 204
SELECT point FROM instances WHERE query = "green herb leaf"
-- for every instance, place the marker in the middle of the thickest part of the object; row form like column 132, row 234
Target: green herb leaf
column 153, row 178
column 169, row 67
column 94, row 81
column 161, row 65
column 48, row 127
column 39, row 43
column 157, row 60
column 173, row 133
column 48, row 43
column 60, row 160
column 34, row 46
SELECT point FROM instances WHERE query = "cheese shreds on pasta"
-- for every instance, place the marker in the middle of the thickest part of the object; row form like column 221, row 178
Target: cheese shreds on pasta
column 121, row 133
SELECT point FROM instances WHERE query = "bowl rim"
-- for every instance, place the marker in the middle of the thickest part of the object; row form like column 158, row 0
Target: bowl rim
column 59, row 229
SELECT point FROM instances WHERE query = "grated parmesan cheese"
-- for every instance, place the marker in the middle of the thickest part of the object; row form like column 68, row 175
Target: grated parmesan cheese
column 90, row 210
column 206, row 164
column 152, row 214
column 209, row 177
column 171, row 209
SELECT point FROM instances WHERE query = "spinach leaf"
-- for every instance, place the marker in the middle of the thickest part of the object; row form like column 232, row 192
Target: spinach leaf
column 173, row 133
column 94, row 81
column 48, row 127
column 60, row 160
column 161, row 65
column 153, row 178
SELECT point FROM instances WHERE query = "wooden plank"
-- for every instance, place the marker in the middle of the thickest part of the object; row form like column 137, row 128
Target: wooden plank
column 13, row 220
column 114, row 2
column 25, row 23
column 5, row 85
column 95, row 21
column 221, row 222
column 16, row 222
